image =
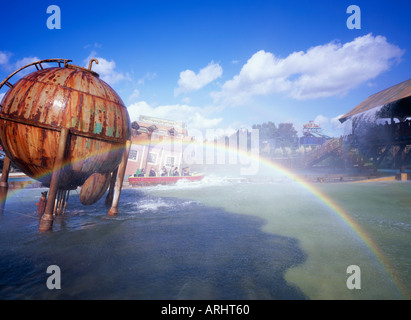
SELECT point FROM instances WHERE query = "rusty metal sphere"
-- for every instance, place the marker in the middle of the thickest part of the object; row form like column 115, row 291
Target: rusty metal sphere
column 94, row 188
column 39, row 105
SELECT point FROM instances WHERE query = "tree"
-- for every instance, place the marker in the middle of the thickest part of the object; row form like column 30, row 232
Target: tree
column 283, row 136
column 287, row 136
column 266, row 130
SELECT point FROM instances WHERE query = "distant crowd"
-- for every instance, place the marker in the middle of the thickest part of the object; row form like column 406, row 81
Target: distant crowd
column 173, row 172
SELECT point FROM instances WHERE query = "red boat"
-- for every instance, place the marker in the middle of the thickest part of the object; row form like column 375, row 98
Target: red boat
column 150, row 181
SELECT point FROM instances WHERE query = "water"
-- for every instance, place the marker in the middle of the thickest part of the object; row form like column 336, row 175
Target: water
column 222, row 238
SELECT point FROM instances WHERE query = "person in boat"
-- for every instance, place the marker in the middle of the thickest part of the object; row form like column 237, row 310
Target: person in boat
column 152, row 172
column 175, row 172
column 142, row 173
column 164, row 172
column 137, row 174
column 186, row 171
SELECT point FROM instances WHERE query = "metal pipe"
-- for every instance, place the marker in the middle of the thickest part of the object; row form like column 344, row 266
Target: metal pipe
column 65, row 203
column 109, row 198
column 60, row 198
column 121, row 171
column 56, row 201
column 46, row 221
column 4, row 186
column 5, row 172
column 91, row 62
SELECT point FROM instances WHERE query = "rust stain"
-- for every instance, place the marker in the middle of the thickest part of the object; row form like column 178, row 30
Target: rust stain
column 63, row 97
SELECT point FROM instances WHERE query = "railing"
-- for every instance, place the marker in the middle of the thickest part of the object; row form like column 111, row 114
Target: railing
column 37, row 64
column 323, row 151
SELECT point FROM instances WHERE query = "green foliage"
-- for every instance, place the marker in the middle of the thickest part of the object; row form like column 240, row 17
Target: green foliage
column 285, row 135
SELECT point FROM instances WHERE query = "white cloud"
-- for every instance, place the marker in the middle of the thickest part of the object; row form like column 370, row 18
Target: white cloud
column 330, row 126
column 322, row 71
column 25, row 61
column 195, row 117
column 106, row 69
column 4, row 58
column 190, row 81
column 147, row 76
column 186, row 100
column 321, row 120
column 134, row 96
column 93, row 45
column 5, row 61
column 9, row 66
column 1, row 96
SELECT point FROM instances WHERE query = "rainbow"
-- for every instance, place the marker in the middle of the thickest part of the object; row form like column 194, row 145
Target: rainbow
column 336, row 209
column 3, row 196
column 329, row 203
column 350, row 222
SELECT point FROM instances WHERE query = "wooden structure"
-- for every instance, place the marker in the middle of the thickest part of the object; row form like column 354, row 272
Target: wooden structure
column 67, row 128
column 332, row 147
column 381, row 128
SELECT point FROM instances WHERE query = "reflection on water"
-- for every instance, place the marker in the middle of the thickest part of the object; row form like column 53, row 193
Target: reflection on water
column 222, row 238
column 380, row 211
column 157, row 248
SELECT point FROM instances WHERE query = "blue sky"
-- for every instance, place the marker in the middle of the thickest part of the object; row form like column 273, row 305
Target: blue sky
column 221, row 64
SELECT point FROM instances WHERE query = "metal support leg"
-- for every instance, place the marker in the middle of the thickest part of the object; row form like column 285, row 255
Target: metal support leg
column 120, row 177
column 46, row 222
column 109, row 198
column 4, row 186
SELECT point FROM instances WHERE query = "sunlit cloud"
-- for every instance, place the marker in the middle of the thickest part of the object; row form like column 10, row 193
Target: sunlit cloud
column 322, row 71
column 4, row 58
column 106, row 69
column 191, row 81
column 194, row 117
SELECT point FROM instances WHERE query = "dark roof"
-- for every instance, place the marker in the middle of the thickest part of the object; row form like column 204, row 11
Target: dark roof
column 382, row 98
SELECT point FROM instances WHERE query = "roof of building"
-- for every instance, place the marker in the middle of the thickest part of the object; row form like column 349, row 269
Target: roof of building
column 160, row 131
column 383, row 98
column 161, row 128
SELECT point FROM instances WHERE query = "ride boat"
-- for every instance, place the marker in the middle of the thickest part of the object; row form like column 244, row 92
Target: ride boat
column 156, row 180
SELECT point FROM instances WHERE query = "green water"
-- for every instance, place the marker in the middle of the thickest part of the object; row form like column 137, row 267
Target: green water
column 381, row 210
column 225, row 237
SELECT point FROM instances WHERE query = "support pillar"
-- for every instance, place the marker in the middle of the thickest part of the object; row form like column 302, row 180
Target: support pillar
column 402, row 159
column 109, row 198
column 120, row 177
column 46, row 222
column 4, row 186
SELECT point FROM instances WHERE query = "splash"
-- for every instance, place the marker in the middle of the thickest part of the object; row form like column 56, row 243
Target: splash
column 329, row 203
column 252, row 158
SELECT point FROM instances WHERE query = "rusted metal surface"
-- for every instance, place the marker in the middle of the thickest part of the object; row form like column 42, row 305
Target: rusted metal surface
column 38, row 65
column 388, row 96
column 94, row 188
column 91, row 63
column 36, row 109
column 46, row 220
column 4, row 186
column 120, row 178
column 41, row 205
column 5, row 173
column 110, row 193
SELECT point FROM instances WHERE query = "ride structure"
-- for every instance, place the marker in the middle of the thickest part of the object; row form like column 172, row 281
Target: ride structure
column 163, row 180
column 66, row 128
